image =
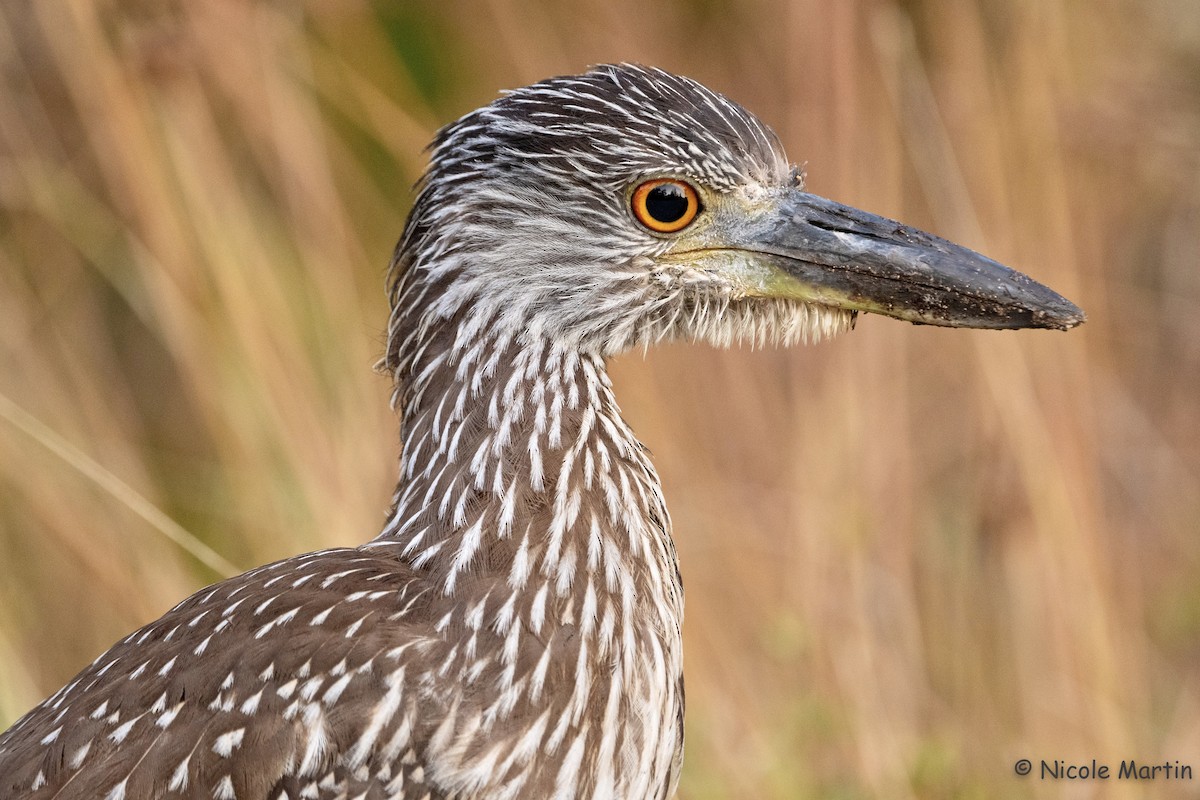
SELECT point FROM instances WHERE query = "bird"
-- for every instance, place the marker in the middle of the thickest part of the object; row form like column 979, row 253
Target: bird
column 515, row 628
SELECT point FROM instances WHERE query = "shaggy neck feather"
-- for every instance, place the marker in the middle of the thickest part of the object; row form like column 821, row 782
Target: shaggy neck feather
column 526, row 496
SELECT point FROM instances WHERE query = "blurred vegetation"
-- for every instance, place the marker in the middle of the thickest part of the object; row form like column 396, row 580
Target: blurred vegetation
column 912, row 555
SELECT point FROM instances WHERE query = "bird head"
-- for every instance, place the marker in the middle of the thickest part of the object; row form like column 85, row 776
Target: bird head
column 628, row 205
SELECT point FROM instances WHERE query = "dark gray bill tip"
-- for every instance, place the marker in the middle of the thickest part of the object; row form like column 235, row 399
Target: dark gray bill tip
column 967, row 290
column 1048, row 309
column 851, row 259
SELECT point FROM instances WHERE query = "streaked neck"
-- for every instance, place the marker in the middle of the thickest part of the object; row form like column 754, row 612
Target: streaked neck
column 525, row 497
column 516, row 462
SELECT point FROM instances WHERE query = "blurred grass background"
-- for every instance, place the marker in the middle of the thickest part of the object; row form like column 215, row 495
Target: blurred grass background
column 912, row 555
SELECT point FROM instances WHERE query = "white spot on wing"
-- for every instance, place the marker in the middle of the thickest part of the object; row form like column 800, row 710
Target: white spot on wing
column 179, row 778
column 226, row 743
column 79, row 755
column 224, row 789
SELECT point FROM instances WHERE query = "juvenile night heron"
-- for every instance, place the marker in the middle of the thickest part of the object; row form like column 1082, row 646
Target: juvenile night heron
column 514, row 631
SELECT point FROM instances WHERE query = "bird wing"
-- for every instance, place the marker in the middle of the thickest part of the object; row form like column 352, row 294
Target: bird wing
column 286, row 681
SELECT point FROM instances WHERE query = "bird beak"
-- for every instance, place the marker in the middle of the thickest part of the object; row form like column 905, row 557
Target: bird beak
column 825, row 252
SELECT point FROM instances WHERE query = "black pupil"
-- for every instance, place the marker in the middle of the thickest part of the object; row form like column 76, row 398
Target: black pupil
column 666, row 203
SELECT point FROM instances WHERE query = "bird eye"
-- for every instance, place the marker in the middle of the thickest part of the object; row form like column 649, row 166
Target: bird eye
column 665, row 205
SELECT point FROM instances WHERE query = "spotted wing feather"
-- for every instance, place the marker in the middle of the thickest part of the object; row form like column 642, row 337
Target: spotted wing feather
column 311, row 707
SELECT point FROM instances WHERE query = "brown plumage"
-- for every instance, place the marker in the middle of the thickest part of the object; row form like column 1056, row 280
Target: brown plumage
column 515, row 630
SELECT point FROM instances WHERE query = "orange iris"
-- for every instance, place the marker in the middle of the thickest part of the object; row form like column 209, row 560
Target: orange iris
column 665, row 205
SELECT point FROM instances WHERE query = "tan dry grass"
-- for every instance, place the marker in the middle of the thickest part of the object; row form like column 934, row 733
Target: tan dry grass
column 912, row 555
